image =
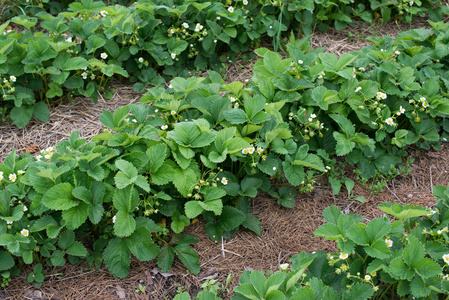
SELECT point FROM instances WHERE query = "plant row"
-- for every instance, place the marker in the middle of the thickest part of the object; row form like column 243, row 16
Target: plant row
column 78, row 51
column 203, row 148
column 310, row 13
column 404, row 259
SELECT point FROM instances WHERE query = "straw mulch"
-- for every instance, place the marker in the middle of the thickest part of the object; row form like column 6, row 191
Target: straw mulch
column 285, row 232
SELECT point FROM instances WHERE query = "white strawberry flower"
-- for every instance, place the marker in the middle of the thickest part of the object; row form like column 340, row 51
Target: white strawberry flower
column 13, row 78
column 185, row 25
column 300, row 62
column 12, row 177
column 224, row 181
column 114, row 218
column 141, row 59
column 231, row 9
column 245, row 2
column 69, row 39
column 251, row 150
column 446, row 258
column 388, row 243
column 367, row 277
column 25, row 232
column 84, row 75
column 343, row 256
column 173, row 112
column 389, row 121
column 164, row 127
column 284, row 266
column 104, row 55
column 173, row 55
column 9, row 222
column 359, row 88
column 103, row 13
column 198, row 27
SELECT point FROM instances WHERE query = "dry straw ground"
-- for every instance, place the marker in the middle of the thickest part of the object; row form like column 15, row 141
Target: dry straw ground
column 285, row 232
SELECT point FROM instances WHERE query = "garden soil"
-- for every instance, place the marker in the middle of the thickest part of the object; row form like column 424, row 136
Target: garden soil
column 285, row 231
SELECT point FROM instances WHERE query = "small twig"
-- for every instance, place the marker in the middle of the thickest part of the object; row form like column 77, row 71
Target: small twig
column 346, row 210
column 229, row 251
column 279, row 259
column 101, row 96
column 394, row 194
column 222, row 248
column 209, row 260
column 431, row 182
column 73, row 276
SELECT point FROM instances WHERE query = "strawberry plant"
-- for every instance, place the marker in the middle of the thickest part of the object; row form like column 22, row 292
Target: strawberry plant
column 367, row 105
column 78, row 51
column 182, row 157
column 405, row 258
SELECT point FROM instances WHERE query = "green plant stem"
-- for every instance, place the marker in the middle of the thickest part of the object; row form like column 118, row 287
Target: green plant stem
column 383, row 294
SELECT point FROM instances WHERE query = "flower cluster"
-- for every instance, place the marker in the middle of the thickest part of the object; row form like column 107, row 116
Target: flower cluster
column 419, row 105
column 381, row 95
column 13, row 176
column 46, row 154
column 249, row 150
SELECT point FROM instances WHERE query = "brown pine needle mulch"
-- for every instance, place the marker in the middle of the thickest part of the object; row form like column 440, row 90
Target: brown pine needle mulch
column 285, row 232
